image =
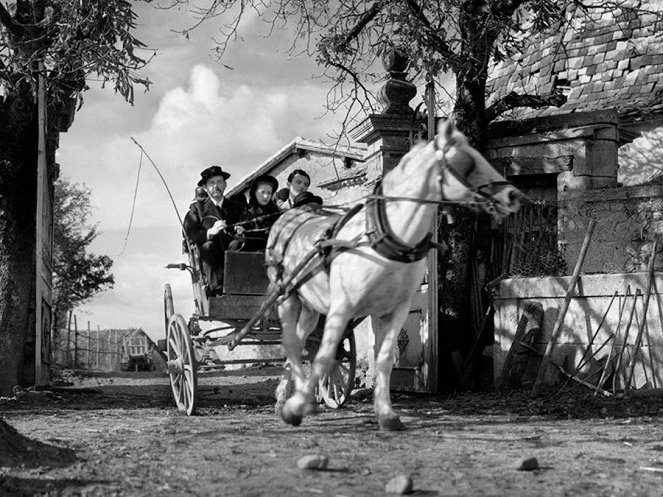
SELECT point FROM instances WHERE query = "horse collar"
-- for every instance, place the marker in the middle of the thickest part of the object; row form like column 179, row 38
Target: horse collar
column 383, row 240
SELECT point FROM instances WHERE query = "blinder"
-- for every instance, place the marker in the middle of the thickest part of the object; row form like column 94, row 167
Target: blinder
column 484, row 191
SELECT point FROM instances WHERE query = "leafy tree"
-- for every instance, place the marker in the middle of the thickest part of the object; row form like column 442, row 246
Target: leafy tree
column 77, row 274
column 462, row 39
column 69, row 41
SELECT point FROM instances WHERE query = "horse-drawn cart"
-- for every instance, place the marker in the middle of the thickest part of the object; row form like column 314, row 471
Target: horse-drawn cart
column 241, row 315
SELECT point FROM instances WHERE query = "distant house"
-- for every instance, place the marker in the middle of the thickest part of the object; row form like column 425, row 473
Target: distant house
column 331, row 167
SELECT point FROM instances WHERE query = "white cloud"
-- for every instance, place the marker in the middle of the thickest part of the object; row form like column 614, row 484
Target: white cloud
column 207, row 120
column 193, row 127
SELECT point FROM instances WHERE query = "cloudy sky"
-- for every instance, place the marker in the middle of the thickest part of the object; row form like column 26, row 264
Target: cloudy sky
column 197, row 113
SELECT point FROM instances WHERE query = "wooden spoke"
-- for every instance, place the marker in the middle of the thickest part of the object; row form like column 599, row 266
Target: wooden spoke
column 182, row 368
column 335, row 388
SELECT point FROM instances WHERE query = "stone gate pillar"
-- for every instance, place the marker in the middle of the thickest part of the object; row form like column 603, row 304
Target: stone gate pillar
column 389, row 136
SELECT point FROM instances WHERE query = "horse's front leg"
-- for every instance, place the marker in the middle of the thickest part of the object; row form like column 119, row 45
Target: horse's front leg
column 288, row 311
column 389, row 326
column 324, row 361
column 293, row 338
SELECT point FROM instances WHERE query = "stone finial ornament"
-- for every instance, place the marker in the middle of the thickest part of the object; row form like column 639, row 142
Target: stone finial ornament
column 397, row 92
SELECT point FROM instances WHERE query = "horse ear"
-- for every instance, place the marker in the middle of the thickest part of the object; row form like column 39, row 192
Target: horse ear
column 446, row 129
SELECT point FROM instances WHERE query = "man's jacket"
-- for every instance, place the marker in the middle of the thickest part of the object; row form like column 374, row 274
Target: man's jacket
column 203, row 214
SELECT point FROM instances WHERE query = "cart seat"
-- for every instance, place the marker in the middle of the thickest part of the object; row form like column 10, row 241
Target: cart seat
column 245, row 273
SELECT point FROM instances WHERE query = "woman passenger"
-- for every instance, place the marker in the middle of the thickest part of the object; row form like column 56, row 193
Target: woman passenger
column 261, row 212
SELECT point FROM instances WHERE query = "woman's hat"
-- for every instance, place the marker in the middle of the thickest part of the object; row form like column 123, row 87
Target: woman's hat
column 265, row 178
column 210, row 172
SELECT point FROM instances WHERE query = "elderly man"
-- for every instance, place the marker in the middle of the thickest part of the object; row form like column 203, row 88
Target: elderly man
column 207, row 225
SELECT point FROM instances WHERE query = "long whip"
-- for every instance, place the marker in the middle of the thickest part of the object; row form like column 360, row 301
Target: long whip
column 163, row 180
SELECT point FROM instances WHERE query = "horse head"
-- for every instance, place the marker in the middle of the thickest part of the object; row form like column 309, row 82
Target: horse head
column 465, row 176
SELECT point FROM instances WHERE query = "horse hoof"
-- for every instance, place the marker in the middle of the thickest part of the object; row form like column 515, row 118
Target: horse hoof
column 291, row 418
column 390, row 423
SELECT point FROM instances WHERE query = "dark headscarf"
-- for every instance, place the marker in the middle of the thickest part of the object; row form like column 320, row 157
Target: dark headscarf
column 264, row 215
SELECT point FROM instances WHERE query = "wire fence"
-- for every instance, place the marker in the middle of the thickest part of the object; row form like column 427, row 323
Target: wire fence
column 530, row 245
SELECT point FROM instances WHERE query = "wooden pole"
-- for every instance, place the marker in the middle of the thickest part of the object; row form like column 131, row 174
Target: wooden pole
column 40, row 270
column 627, row 330
column 585, row 359
column 97, row 349
column 614, row 339
column 68, row 346
column 75, row 342
column 641, row 327
column 545, row 361
column 89, row 346
column 108, row 353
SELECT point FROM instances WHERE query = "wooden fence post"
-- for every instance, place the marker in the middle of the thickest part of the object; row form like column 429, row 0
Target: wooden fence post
column 75, row 342
column 641, row 327
column 570, row 292
column 67, row 358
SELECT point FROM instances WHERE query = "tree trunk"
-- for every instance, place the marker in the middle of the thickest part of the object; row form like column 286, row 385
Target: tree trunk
column 18, row 184
column 455, row 312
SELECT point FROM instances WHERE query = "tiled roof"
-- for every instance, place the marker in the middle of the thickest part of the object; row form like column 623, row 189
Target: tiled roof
column 609, row 60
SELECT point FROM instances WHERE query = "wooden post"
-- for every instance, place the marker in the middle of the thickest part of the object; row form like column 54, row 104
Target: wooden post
column 67, row 358
column 641, row 327
column 89, row 346
column 570, row 292
column 108, row 353
column 604, row 374
column 97, row 349
column 627, row 330
column 75, row 342
column 42, row 166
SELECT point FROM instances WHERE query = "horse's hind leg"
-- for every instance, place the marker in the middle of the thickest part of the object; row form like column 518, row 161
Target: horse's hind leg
column 297, row 322
column 388, row 329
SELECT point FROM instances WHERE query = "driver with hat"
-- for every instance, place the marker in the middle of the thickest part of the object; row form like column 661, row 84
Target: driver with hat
column 206, row 225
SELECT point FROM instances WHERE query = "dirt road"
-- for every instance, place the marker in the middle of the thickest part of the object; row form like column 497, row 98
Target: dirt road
column 122, row 436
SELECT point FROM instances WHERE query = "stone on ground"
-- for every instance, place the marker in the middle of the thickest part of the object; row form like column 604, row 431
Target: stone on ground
column 400, row 484
column 314, row 461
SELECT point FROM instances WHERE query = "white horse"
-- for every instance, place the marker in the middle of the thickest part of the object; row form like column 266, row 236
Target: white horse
column 381, row 265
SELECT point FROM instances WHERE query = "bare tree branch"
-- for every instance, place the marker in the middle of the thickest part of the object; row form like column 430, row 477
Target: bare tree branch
column 367, row 17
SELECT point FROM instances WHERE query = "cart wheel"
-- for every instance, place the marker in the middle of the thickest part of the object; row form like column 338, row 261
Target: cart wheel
column 168, row 306
column 335, row 388
column 182, row 366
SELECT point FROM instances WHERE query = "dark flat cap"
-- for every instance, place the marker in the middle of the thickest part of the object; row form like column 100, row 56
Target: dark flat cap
column 306, row 198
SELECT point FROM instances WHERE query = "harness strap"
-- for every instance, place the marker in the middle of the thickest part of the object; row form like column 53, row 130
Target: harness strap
column 331, row 247
column 383, row 240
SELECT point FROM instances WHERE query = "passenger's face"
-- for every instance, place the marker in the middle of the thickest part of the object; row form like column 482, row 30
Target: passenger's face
column 215, row 186
column 263, row 193
column 298, row 185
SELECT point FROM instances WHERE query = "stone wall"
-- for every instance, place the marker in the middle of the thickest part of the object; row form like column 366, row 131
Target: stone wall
column 628, row 220
column 599, row 301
